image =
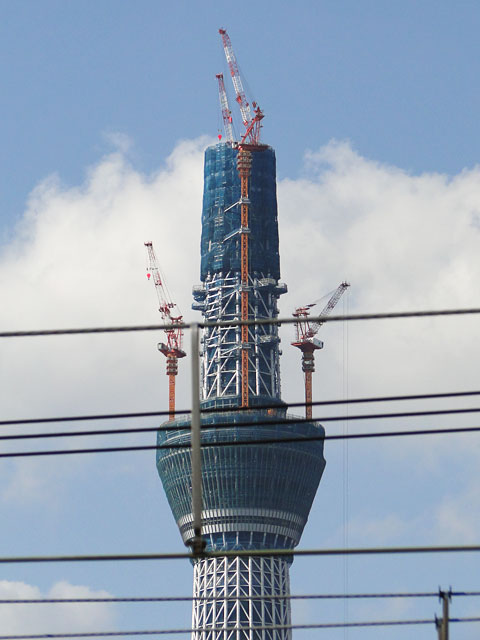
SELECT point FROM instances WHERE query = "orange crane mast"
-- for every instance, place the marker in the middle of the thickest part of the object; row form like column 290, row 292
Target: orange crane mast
column 244, row 162
column 249, row 142
column 307, row 343
column 170, row 313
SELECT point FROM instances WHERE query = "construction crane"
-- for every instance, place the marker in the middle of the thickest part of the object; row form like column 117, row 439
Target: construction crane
column 252, row 123
column 248, row 143
column 226, row 113
column 170, row 313
column 307, row 343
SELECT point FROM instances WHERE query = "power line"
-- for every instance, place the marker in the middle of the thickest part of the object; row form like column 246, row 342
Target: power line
column 152, row 414
column 236, row 443
column 230, row 425
column 253, row 553
column 318, row 596
column 325, row 625
column 236, row 323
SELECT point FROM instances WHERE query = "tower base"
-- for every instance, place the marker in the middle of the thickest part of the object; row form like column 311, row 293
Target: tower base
column 239, row 598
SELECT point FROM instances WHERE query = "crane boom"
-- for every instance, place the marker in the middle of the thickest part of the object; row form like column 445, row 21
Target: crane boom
column 252, row 124
column 170, row 313
column 331, row 304
column 236, row 79
column 226, row 113
column 308, row 344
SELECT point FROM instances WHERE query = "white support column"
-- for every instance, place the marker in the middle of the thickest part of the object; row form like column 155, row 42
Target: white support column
column 241, row 595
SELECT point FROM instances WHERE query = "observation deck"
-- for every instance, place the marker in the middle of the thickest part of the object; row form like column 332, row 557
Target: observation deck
column 255, row 496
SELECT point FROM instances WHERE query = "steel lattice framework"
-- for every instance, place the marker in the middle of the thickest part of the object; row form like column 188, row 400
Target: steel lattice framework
column 222, row 346
column 232, row 593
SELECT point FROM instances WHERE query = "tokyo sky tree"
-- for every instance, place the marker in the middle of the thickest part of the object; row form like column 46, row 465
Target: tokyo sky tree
column 255, row 496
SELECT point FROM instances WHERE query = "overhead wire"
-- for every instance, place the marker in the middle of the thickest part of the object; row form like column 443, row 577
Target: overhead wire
column 236, row 443
column 213, row 410
column 273, row 596
column 250, row 553
column 238, row 628
column 235, row 323
column 146, row 599
column 229, row 425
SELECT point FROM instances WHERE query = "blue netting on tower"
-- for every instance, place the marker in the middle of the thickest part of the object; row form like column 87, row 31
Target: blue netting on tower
column 264, row 488
column 221, row 253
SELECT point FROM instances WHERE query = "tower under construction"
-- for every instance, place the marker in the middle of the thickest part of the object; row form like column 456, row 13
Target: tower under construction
column 257, row 489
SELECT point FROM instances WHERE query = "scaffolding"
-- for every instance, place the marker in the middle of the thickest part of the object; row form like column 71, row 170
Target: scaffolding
column 240, row 271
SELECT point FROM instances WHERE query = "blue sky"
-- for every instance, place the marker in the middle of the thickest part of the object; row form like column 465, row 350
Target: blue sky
column 372, row 109
column 398, row 79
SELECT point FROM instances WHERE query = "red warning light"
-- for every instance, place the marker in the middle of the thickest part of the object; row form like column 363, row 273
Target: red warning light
column 219, row 136
column 148, row 275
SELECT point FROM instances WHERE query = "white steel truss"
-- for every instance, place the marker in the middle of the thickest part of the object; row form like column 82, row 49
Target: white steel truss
column 222, row 346
column 239, row 598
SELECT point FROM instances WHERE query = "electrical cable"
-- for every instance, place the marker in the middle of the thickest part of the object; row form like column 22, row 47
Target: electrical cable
column 273, row 627
column 230, row 425
column 251, row 553
column 318, row 596
column 236, row 443
column 237, row 323
column 152, row 414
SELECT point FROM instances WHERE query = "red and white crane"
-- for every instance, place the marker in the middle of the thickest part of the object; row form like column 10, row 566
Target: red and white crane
column 226, row 113
column 308, row 344
column 252, row 123
column 170, row 313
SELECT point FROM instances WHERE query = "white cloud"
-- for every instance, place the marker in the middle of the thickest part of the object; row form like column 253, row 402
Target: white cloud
column 53, row 618
column 78, row 260
column 119, row 141
column 31, row 480
column 404, row 242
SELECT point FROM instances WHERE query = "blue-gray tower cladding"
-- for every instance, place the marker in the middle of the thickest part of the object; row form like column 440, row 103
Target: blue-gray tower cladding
column 255, row 496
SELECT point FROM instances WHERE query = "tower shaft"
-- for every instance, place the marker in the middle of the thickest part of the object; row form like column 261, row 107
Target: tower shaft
column 255, row 496
column 240, row 598
column 240, row 277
